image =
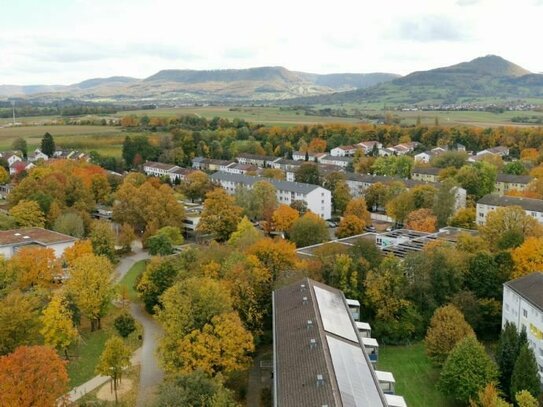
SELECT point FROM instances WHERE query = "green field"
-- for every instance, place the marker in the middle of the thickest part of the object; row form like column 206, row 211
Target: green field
column 129, row 279
column 416, row 377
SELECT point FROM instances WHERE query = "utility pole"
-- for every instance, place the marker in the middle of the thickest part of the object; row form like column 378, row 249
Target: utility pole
column 13, row 109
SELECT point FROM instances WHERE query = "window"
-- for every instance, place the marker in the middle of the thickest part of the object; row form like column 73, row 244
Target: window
column 525, row 313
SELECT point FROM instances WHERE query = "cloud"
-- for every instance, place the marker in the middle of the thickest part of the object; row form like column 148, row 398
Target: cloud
column 467, row 2
column 240, row 53
column 431, row 29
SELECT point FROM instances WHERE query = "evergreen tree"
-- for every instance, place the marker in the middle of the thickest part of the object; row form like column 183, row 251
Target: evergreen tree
column 507, row 353
column 48, row 145
column 525, row 373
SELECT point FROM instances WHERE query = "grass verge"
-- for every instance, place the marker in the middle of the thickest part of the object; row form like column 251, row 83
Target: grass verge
column 416, row 377
column 129, row 279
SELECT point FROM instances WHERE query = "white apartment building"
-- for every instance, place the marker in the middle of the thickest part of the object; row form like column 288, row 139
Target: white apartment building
column 336, row 160
column 174, row 172
column 301, row 156
column 317, row 199
column 489, row 203
column 523, row 306
column 368, row 146
column 343, row 151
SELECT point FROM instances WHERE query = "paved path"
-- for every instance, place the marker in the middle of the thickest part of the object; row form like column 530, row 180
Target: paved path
column 150, row 374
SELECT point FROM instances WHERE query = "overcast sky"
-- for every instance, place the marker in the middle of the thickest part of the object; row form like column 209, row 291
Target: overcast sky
column 66, row 41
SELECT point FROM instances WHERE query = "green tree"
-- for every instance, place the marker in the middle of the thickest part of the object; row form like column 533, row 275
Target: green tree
column 113, row 360
column 478, row 179
column 124, row 324
column 28, row 214
column 220, row 216
column 19, row 321
column 262, row 201
column 70, row 224
column 308, row 230
column 514, row 168
column 447, row 327
column 245, row 235
column 159, row 245
column 19, row 144
column 308, row 173
column 341, row 195
column 467, row 370
column 172, row 233
column 58, row 328
column 443, row 206
column 48, row 145
column 103, row 239
column 484, row 276
column 525, row 373
column 159, row 275
column 463, row 218
column 507, row 353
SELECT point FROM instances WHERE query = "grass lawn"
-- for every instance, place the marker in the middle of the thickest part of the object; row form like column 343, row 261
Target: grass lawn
column 84, row 357
column 130, row 278
column 416, row 378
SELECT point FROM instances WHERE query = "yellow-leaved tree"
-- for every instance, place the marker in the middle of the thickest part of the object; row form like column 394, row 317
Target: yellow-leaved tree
column 528, row 257
column 113, row 360
column 35, row 266
column 58, row 328
column 28, row 214
column 90, row 285
column 283, row 217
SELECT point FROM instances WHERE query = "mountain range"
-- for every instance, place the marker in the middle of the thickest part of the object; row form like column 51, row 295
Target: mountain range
column 263, row 83
column 485, row 78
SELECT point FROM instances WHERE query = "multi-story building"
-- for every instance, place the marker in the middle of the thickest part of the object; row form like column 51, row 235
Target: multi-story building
column 523, row 306
column 426, row 174
column 171, row 171
column 339, row 161
column 369, row 146
column 489, row 203
column 210, row 164
column 322, row 356
column 343, row 151
column 317, row 199
column 13, row 240
column 302, row 155
column 509, row 182
column 255, row 159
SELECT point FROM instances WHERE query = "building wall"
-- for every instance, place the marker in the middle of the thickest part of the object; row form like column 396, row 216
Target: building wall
column 524, row 315
column 425, row 177
column 483, row 210
column 501, row 188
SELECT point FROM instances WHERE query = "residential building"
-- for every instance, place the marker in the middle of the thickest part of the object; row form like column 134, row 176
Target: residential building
column 210, row 164
column 37, row 155
column 13, row 240
column 489, row 203
column 509, row 182
column 301, row 156
column 255, row 159
column 172, row 171
column 430, row 174
column 369, row 146
column 404, row 148
column 20, row 166
column 317, row 199
column 241, row 168
column 343, row 151
column 523, row 306
column 319, row 356
column 338, row 160
column 499, row 150
column 11, row 157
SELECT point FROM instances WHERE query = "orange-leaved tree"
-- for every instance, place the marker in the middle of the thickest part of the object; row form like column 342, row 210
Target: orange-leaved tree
column 422, row 220
column 32, row 376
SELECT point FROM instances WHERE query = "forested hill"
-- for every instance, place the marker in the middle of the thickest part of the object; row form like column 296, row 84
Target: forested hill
column 489, row 77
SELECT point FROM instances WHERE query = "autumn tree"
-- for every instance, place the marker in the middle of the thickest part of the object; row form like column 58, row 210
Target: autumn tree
column 358, row 208
column 274, row 173
column 126, row 237
column 525, row 374
column 260, row 201
column 220, row 216
column 113, row 360
column 376, row 196
column 277, row 255
column 102, row 238
column 308, row 230
column 4, row 176
column 463, row 218
column 283, row 217
column 79, row 249
column 489, row 397
column 528, row 257
column 19, row 322
column 467, row 370
column 28, row 214
column 35, row 266
column 245, row 235
column 447, row 327
column 525, row 399
column 308, row 173
column 221, row 346
column 399, row 207
column 422, row 220
column 196, row 185
column 32, row 376
column 58, row 329
column 506, row 222
column 90, row 286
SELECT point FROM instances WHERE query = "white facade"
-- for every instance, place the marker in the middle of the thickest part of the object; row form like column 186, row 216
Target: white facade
column 343, row 151
column 335, row 160
column 526, row 315
column 37, row 155
column 423, row 157
column 489, row 203
column 300, row 156
column 367, row 146
column 317, row 199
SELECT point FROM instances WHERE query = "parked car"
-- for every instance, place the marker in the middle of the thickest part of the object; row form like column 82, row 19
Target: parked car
column 331, row 224
column 370, row 228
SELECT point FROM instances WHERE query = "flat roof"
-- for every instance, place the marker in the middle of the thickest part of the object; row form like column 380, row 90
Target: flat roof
column 529, row 287
column 162, row 166
column 249, row 180
column 33, row 235
column 514, row 179
column 386, row 377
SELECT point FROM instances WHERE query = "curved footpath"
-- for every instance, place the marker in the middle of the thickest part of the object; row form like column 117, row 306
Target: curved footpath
column 151, row 375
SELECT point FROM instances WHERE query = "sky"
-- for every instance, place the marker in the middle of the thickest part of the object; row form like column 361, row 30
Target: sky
column 67, row 41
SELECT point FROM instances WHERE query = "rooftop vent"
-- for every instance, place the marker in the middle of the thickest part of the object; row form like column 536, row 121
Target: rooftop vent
column 320, row 380
column 17, row 234
column 26, row 237
column 302, row 287
column 304, row 300
column 312, row 343
column 309, row 324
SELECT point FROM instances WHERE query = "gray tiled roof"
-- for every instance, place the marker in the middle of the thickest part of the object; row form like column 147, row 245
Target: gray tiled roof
column 336, row 158
column 427, row 171
column 296, row 187
column 529, row 287
column 297, row 363
column 514, row 179
column 534, row 205
column 257, row 157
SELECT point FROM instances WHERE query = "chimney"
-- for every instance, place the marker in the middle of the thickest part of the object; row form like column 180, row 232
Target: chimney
column 312, row 343
column 320, row 380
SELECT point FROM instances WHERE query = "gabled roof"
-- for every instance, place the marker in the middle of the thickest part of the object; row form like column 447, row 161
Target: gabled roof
column 427, row 171
column 514, row 179
column 160, row 166
column 528, row 204
column 530, row 287
column 336, row 158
